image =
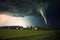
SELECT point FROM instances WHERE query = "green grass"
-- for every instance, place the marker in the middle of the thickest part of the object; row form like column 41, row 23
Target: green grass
column 25, row 34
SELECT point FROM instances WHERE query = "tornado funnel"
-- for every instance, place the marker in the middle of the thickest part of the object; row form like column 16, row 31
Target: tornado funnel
column 42, row 12
column 42, row 9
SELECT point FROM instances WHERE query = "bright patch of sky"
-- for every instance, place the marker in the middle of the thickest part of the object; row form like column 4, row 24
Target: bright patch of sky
column 6, row 20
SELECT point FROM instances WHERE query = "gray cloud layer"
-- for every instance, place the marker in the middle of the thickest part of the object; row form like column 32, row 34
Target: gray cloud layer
column 20, row 7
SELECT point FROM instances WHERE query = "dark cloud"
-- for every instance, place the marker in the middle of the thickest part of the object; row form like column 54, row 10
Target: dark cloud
column 19, row 7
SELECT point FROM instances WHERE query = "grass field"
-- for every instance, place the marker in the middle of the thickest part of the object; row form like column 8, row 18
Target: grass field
column 26, row 34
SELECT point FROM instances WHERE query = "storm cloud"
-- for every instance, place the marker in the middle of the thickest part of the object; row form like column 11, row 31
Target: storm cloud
column 19, row 7
column 32, row 9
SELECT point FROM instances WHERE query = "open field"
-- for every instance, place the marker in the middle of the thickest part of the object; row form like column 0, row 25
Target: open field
column 27, row 34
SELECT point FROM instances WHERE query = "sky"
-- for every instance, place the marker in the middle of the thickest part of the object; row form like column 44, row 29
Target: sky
column 29, row 12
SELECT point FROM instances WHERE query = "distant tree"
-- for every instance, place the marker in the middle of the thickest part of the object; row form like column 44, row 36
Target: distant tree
column 31, row 27
column 28, row 27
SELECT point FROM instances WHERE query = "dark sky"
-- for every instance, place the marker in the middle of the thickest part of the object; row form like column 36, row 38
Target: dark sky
column 21, row 8
column 53, row 13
